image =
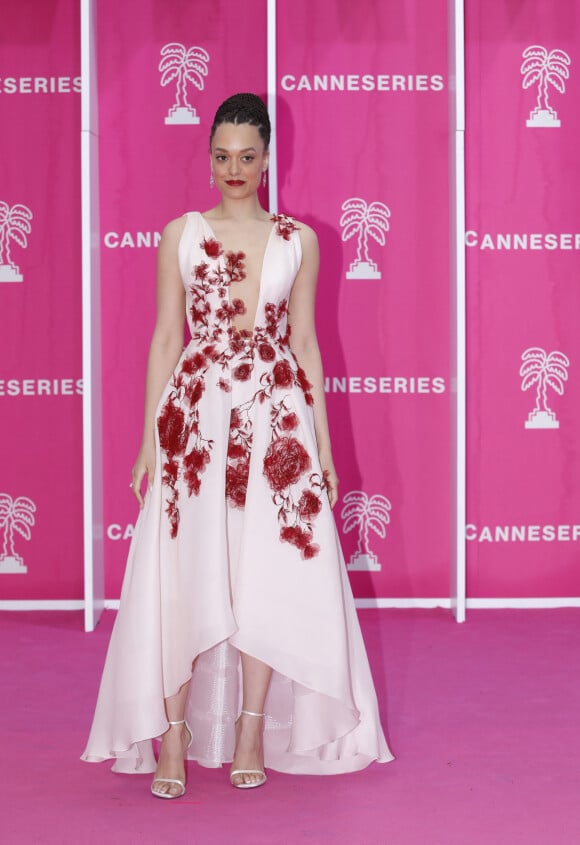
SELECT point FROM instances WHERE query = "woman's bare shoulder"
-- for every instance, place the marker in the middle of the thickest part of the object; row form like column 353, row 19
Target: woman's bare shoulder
column 306, row 230
column 307, row 235
column 174, row 229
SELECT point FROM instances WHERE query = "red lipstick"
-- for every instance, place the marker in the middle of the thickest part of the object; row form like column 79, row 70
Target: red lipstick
column 234, row 183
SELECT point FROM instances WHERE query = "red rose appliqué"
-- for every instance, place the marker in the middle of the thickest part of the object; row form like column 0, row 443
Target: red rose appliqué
column 289, row 422
column 242, row 372
column 237, row 481
column 172, row 432
column 211, row 247
column 286, row 460
column 283, row 374
column 266, row 352
column 309, row 505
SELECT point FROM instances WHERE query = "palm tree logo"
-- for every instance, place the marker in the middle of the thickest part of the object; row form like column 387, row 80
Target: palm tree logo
column 545, row 69
column 16, row 515
column 14, row 225
column 183, row 65
column 543, row 371
column 367, row 515
column 363, row 220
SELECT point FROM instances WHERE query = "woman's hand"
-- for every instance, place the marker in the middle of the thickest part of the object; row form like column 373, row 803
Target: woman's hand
column 144, row 466
column 330, row 477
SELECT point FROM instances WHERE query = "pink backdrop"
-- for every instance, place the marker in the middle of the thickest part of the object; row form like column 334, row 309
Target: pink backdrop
column 524, row 300
column 385, row 340
column 40, row 302
column 363, row 120
column 151, row 172
column 363, row 156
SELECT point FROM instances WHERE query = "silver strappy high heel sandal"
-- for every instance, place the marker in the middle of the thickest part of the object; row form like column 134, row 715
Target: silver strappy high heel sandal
column 172, row 780
column 260, row 772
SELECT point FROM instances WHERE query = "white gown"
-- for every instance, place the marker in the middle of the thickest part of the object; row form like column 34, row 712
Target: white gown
column 236, row 548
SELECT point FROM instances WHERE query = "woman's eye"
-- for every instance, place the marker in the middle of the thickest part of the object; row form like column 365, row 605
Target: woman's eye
column 220, row 158
column 248, row 158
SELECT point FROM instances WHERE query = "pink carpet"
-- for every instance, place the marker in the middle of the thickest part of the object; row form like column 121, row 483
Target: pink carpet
column 483, row 719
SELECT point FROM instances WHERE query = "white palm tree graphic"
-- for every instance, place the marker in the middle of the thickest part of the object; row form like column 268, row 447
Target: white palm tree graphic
column 183, row 65
column 14, row 225
column 543, row 371
column 365, row 514
column 16, row 515
column 363, row 220
column 545, row 69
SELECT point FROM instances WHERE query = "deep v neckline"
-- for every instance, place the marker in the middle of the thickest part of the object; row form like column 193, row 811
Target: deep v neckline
column 262, row 268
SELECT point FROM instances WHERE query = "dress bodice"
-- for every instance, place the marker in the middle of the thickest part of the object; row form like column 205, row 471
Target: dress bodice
column 209, row 275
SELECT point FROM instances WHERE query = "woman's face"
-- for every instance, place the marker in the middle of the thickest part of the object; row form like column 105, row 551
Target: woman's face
column 238, row 159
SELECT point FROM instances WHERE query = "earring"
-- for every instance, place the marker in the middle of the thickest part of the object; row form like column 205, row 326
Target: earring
column 264, row 178
column 211, row 179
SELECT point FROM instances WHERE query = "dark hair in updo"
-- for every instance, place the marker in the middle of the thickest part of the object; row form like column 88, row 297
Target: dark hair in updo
column 244, row 108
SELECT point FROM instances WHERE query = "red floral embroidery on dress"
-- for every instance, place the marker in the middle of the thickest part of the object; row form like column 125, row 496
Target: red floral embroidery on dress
column 237, row 482
column 235, row 267
column 284, row 225
column 285, row 465
column 266, row 351
column 309, row 504
column 242, row 372
column 283, row 374
column 289, row 422
column 239, row 453
column 212, row 248
column 285, row 462
column 186, row 452
column 281, row 466
column 305, row 385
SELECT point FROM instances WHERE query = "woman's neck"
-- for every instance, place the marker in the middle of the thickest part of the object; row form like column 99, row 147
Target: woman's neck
column 243, row 209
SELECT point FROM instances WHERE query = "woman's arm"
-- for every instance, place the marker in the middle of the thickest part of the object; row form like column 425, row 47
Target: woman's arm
column 166, row 346
column 304, row 345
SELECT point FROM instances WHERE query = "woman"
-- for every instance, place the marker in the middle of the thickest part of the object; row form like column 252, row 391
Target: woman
column 237, row 638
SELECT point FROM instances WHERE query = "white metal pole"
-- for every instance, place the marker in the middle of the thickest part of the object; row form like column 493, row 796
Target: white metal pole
column 272, row 81
column 92, row 452
column 456, row 12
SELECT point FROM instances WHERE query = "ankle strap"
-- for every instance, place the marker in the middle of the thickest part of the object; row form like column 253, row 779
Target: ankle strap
column 249, row 713
column 181, row 722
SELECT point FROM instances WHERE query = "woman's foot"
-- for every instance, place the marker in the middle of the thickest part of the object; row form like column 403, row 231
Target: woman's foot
column 169, row 780
column 247, row 769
